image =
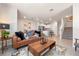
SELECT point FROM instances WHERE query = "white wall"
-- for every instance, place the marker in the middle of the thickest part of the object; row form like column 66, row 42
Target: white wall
column 67, row 12
column 34, row 25
column 21, row 26
column 8, row 14
column 75, row 21
column 63, row 14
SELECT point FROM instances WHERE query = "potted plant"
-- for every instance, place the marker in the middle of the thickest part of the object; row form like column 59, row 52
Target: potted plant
column 5, row 34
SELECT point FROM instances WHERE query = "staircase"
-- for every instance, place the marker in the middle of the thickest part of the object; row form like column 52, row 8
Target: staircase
column 67, row 34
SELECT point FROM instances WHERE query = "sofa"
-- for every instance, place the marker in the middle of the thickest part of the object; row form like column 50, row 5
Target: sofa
column 17, row 42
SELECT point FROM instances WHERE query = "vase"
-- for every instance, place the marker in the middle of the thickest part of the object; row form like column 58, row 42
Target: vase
column 43, row 40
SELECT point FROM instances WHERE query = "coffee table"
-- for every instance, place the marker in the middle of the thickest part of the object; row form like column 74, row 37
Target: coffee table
column 37, row 48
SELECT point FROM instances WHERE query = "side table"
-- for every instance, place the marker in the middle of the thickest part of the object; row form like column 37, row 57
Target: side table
column 4, row 41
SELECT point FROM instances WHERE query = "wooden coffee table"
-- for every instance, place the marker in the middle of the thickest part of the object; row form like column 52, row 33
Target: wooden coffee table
column 37, row 48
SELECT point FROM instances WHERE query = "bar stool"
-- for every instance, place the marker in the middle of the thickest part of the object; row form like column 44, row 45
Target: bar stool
column 76, row 44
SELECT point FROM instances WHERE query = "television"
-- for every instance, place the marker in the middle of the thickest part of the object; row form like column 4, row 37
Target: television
column 4, row 26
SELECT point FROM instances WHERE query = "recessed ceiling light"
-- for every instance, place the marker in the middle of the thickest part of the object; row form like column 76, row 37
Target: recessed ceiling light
column 24, row 17
column 67, row 16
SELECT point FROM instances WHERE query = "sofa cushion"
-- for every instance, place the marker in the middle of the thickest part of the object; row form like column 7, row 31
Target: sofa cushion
column 30, row 33
column 38, row 32
column 17, row 34
column 20, row 34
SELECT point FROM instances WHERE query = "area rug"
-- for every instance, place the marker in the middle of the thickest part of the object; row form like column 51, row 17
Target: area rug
column 53, row 52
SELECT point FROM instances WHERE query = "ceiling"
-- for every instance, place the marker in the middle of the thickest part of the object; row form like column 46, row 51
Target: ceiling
column 39, row 10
